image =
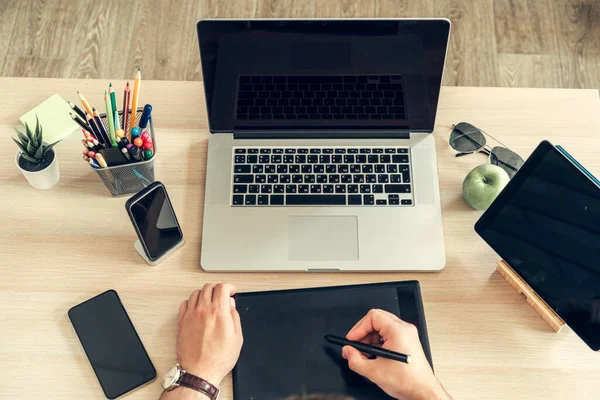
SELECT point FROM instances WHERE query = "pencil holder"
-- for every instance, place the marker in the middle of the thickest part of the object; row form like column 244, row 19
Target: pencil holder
column 129, row 178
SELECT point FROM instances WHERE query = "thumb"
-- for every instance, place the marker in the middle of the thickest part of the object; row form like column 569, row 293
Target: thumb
column 357, row 361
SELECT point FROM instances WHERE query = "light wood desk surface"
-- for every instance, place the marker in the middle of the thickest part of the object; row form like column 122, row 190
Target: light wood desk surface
column 62, row 246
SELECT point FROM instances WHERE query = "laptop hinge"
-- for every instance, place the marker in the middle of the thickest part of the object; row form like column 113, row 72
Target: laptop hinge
column 318, row 134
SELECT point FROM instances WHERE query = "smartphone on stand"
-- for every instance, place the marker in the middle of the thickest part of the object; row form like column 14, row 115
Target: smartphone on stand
column 155, row 223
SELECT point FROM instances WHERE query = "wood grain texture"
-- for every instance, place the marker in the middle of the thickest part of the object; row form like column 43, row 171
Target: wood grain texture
column 533, row 299
column 111, row 38
column 525, row 27
column 578, row 27
column 506, row 350
column 529, row 70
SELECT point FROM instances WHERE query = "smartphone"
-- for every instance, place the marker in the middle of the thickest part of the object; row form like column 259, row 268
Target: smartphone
column 154, row 220
column 111, row 344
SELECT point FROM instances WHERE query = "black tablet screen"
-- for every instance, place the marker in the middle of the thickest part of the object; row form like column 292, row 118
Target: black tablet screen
column 546, row 226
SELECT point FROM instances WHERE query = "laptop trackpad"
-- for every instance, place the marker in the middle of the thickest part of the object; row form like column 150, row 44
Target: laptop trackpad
column 323, row 238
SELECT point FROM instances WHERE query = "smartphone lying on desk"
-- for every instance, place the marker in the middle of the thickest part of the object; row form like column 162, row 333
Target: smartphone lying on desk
column 155, row 223
column 111, row 344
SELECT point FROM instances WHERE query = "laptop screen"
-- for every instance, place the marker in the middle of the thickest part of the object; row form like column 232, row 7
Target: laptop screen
column 322, row 74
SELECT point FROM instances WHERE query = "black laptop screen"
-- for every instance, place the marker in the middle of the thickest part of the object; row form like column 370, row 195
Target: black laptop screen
column 322, row 74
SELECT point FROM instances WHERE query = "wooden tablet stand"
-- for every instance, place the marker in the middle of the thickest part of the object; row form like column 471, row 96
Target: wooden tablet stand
column 534, row 300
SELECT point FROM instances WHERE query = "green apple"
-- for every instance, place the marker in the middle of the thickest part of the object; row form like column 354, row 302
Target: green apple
column 483, row 184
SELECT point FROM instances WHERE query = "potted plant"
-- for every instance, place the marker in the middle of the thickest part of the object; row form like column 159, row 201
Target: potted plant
column 36, row 159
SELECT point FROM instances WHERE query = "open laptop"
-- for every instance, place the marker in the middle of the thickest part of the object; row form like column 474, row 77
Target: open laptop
column 321, row 156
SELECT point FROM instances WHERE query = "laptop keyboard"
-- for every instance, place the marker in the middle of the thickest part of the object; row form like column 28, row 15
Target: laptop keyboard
column 334, row 97
column 321, row 176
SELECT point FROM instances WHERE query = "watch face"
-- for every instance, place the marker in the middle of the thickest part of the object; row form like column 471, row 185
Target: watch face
column 171, row 377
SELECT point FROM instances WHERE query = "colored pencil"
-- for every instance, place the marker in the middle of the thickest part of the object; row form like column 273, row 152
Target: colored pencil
column 77, row 110
column 81, row 123
column 113, row 105
column 85, row 103
column 95, row 129
column 111, row 122
column 134, row 102
column 126, row 100
column 100, row 125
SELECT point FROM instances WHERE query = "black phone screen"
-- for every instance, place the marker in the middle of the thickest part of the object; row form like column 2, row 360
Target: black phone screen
column 156, row 223
column 111, row 344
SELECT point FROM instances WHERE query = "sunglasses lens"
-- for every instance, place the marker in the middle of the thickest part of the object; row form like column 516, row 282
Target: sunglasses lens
column 466, row 138
column 506, row 159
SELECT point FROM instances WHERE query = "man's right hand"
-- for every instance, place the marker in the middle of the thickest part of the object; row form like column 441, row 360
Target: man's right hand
column 414, row 381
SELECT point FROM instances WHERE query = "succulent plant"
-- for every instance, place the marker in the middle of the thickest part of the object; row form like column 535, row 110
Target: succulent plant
column 32, row 147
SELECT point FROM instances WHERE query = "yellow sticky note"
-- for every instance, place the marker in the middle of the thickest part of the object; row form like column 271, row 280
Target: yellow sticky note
column 54, row 117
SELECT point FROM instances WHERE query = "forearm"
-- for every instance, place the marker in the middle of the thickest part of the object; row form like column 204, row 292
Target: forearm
column 183, row 393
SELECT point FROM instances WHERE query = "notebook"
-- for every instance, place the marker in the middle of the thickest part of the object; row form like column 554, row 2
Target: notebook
column 284, row 353
column 53, row 114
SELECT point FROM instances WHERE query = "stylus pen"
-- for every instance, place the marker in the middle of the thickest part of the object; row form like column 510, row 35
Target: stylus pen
column 368, row 349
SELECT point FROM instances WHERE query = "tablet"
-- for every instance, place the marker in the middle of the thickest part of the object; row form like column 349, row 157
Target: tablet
column 285, row 355
column 546, row 225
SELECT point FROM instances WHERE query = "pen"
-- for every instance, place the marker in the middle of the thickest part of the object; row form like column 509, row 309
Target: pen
column 145, row 116
column 126, row 154
column 368, row 349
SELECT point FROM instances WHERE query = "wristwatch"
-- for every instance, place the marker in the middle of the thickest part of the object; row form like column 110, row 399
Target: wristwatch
column 177, row 376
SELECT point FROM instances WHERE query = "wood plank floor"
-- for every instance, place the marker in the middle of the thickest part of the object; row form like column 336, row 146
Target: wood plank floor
column 528, row 43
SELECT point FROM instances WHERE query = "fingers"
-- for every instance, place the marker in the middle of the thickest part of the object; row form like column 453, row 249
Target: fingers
column 206, row 295
column 194, row 298
column 374, row 321
column 222, row 296
column 182, row 309
column 357, row 361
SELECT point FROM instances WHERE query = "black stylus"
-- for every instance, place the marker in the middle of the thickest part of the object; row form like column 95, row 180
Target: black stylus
column 368, row 349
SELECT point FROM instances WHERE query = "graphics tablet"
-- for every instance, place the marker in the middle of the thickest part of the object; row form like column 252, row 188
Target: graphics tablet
column 285, row 353
column 546, row 225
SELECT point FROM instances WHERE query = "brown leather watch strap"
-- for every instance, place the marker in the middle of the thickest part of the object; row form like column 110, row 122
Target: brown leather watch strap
column 193, row 382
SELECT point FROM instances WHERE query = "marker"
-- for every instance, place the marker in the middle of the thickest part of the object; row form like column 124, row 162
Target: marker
column 148, row 154
column 135, row 132
column 146, row 136
column 128, row 146
column 77, row 110
column 124, row 142
column 135, row 153
column 81, row 123
column 119, row 133
column 101, row 160
column 148, row 146
column 138, row 142
column 145, row 116
column 126, row 154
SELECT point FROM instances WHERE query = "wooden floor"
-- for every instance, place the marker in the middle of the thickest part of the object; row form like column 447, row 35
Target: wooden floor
column 531, row 43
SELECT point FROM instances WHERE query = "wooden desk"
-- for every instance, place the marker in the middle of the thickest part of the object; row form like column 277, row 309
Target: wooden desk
column 486, row 341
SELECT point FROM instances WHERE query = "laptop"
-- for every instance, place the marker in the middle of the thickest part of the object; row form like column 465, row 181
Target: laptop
column 321, row 156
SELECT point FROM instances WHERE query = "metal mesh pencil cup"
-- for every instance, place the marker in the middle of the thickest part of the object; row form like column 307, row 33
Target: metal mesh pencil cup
column 129, row 178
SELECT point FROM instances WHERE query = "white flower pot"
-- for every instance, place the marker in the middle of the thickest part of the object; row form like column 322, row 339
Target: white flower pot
column 44, row 179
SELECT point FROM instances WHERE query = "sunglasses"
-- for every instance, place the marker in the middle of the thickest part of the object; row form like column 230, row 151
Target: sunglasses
column 468, row 139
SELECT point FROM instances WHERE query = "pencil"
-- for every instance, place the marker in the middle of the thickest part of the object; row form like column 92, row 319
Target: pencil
column 111, row 122
column 77, row 110
column 95, row 129
column 126, row 99
column 85, row 103
column 134, row 102
column 100, row 125
column 113, row 105
column 101, row 160
column 82, row 124
column 368, row 349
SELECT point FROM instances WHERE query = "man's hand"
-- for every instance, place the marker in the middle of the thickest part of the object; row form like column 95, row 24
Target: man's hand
column 414, row 381
column 209, row 335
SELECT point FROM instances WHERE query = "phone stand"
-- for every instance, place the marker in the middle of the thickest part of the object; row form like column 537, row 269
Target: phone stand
column 140, row 249
column 533, row 299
